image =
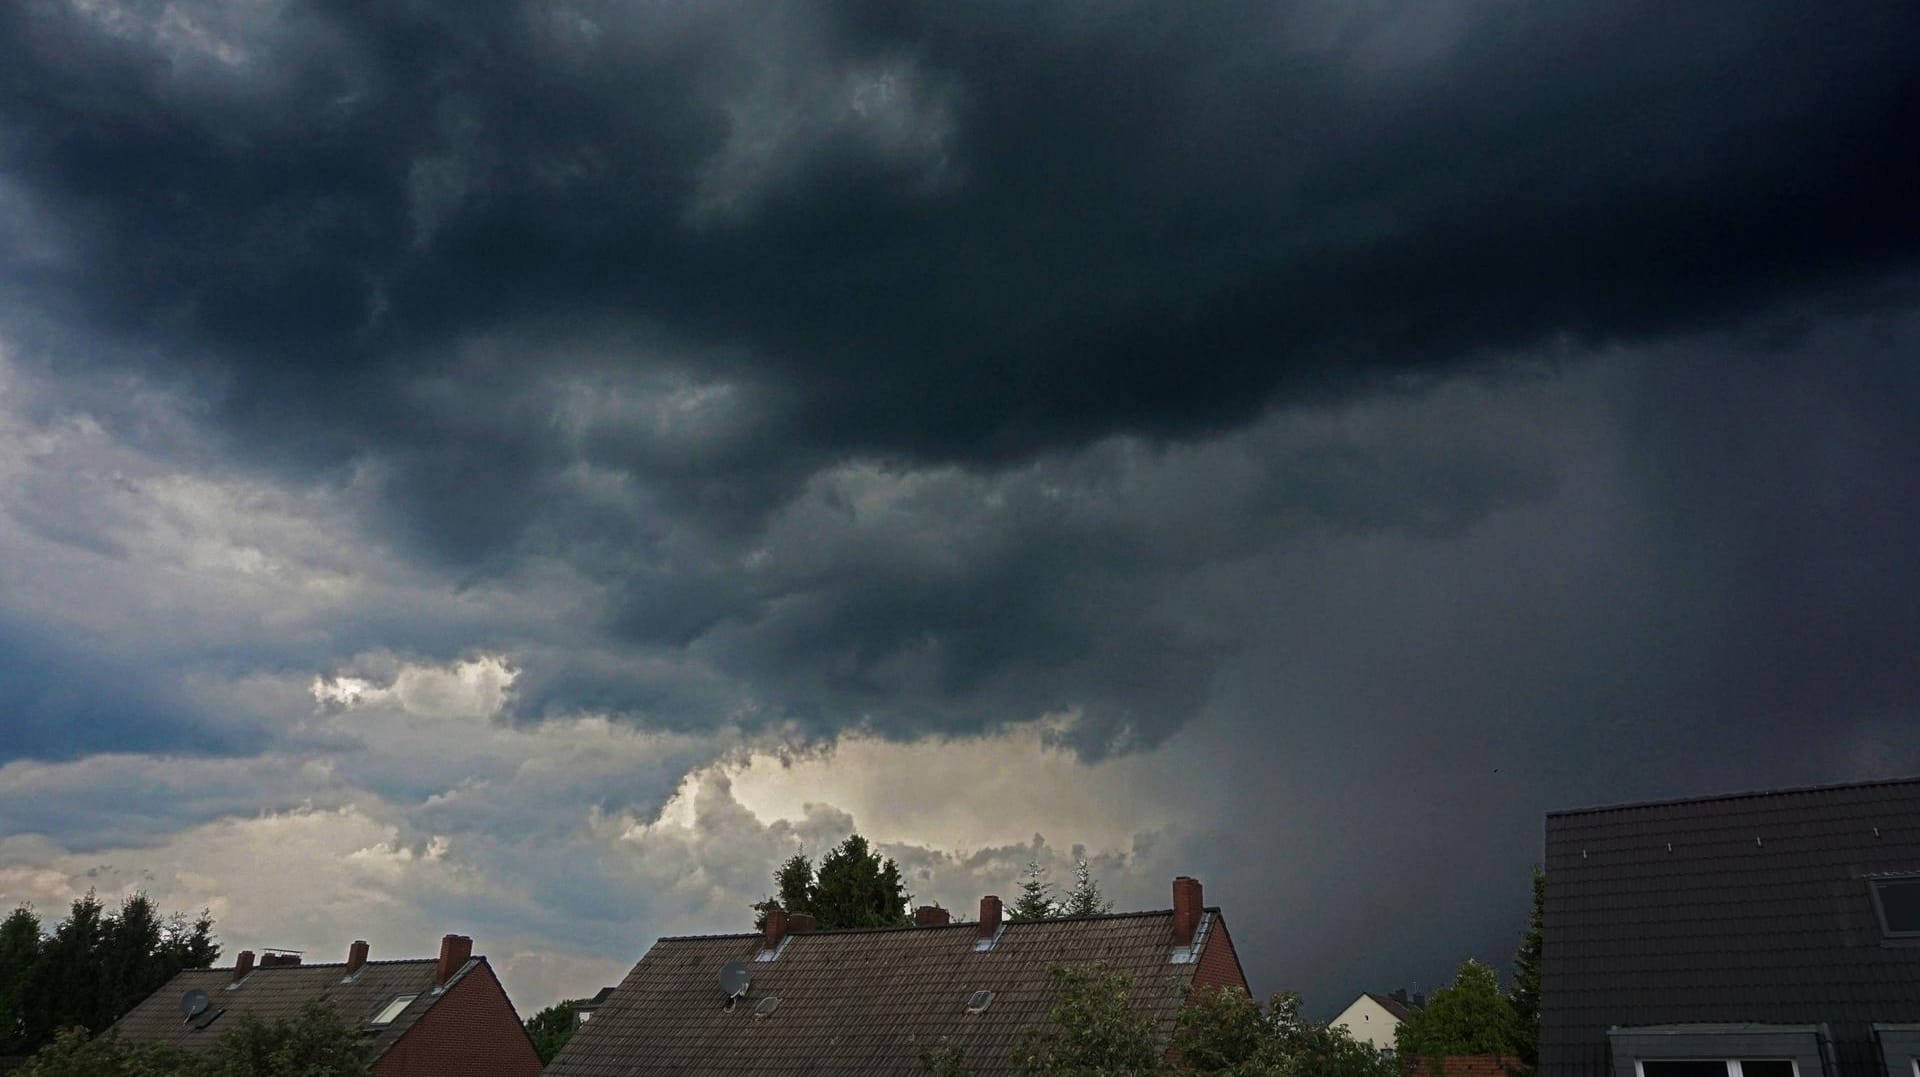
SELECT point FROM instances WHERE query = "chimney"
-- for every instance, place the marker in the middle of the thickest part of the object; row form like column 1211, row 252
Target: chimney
column 776, row 928
column 454, row 952
column 242, row 965
column 1187, row 905
column 356, row 956
column 276, row 961
column 989, row 916
column 931, row 916
column 801, row 921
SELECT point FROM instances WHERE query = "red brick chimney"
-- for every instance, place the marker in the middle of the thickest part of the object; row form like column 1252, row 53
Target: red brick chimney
column 356, row 956
column 454, row 952
column 931, row 916
column 277, row 961
column 801, row 921
column 989, row 916
column 242, row 965
column 776, row 928
column 1187, row 905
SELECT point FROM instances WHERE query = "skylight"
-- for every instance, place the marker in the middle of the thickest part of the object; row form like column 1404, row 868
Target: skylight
column 979, row 1002
column 392, row 1009
column 1899, row 903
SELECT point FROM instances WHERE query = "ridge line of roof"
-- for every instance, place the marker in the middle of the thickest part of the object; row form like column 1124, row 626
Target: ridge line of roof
column 321, row 965
column 1749, row 794
column 930, row 927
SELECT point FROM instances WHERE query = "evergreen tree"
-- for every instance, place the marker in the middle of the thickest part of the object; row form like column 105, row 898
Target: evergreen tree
column 1085, row 898
column 551, row 1028
column 1036, row 896
column 1525, row 995
column 794, row 883
column 857, row 887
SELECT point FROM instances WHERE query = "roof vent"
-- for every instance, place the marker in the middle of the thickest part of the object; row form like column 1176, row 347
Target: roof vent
column 979, row 1002
column 766, row 1006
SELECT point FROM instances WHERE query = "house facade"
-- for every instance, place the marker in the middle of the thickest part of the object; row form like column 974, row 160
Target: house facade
column 429, row 1017
column 1373, row 1019
column 794, row 1001
column 1772, row 934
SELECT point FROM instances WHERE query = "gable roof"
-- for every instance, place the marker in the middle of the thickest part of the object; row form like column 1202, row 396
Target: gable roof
column 1752, row 907
column 278, row 992
column 865, row 1002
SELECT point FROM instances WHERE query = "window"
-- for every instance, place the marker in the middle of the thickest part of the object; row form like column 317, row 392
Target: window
column 1898, row 901
column 392, row 1010
column 1717, row 1067
column 979, row 1002
column 766, row 1006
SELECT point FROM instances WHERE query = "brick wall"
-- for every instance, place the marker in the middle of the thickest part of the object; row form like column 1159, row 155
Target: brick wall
column 471, row 1032
column 1219, row 964
column 1465, row 1066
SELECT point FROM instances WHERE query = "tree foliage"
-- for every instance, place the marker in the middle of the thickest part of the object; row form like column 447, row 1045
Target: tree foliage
column 1222, row 1033
column 1036, row 896
column 1092, row 1029
column 944, row 1062
column 94, row 967
column 854, row 887
column 315, row 1043
column 1085, row 898
column 1467, row 1017
column 551, row 1028
column 1525, row 993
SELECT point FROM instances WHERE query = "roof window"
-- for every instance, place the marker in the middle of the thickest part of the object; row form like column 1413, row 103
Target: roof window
column 1898, row 901
column 392, row 1009
column 979, row 1002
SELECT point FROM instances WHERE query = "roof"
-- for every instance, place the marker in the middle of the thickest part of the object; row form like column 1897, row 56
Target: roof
column 1400, row 1010
column 277, row 992
column 1467, row 1066
column 1741, row 908
column 864, row 1002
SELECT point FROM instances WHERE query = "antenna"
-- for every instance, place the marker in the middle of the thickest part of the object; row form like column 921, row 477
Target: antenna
column 193, row 1004
column 734, row 979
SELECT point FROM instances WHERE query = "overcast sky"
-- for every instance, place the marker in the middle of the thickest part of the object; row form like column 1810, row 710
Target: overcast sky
column 525, row 467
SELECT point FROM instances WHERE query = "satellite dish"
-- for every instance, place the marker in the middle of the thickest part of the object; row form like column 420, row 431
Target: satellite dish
column 193, row 1004
column 734, row 979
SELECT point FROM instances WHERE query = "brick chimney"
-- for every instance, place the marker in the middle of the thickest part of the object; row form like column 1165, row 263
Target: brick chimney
column 454, row 952
column 356, row 956
column 242, row 965
column 1187, row 905
column 776, row 928
column 931, row 916
column 276, row 961
column 801, row 921
column 989, row 916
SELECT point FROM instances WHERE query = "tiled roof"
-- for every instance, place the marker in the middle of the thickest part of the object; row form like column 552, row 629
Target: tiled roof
column 1400, row 1010
column 1466, row 1066
column 273, row 993
column 862, row 1002
column 1746, row 908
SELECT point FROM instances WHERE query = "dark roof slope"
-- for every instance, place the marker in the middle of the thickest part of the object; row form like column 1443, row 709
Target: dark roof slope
column 1746, row 908
column 273, row 993
column 862, row 1002
column 1400, row 1010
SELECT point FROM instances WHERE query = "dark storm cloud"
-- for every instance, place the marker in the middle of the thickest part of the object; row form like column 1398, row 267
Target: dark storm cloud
column 645, row 290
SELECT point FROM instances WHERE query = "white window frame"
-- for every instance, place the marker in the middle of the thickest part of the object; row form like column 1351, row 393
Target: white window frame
column 396, row 1006
column 1734, row 1069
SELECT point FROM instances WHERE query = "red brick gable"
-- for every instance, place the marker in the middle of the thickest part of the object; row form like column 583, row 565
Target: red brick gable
column 471, row 1031
column 1219, row 963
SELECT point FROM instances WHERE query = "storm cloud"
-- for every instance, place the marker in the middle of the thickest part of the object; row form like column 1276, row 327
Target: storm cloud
column 484, row 440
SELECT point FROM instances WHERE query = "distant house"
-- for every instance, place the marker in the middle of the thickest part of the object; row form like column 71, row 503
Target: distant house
column 444, row 1017
column 793, row 1001
column 584, row 1011
column 1372, row 1018
column 1772, row 934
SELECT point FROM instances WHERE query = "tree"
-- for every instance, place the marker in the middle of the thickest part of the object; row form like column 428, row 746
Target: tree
column 19, row 949
column 72, row 1054
column 1085, row 898
column 857, row 887
column 1093, row 1029
column 552, row 1027
column 316, row 1042
column 1222, row 1033
column 1525, row 995
column 1036, row 896
column 1467, row 1017
column 794, row 883
column 944, row 1062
